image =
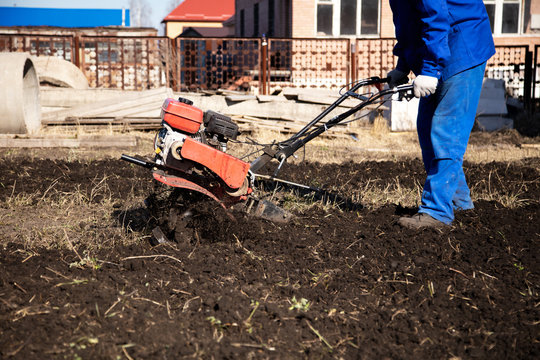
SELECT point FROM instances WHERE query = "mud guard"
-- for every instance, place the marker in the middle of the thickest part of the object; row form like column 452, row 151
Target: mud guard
column 231, row 170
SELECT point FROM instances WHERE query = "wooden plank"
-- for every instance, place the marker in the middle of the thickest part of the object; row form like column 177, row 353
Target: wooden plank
column 103, row 121
column 101, row 141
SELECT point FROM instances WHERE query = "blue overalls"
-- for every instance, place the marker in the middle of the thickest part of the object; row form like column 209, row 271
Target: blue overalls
column 450, row 40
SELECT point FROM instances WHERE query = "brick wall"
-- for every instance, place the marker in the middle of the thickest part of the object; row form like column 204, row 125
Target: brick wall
column 531, row 41
column 387, row 24
column 303, row 18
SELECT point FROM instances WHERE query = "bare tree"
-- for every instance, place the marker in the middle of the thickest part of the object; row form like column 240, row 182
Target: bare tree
column 173, row 4
column 140, row 13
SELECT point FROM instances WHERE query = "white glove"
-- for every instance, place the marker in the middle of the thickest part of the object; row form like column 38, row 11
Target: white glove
column 396, row 77
column 424, row 85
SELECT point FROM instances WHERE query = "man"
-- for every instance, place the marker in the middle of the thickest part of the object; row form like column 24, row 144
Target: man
column 446, row 44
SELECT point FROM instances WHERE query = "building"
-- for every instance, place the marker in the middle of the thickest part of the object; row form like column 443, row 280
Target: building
column 200, row 18
column 33, row 16
column 362, row 18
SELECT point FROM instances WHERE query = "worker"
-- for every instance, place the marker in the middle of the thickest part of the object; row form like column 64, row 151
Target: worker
column 446, row 44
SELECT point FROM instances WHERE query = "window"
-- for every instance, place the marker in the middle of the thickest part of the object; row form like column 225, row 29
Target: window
column 352, row 17
column 325, row 13
column 510, row 18
column 370, row 17
column 348, row 17
column 504, row 16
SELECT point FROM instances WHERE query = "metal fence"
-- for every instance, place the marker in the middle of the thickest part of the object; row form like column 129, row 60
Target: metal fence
column 320, row 63
column 136, row 63
column 212, row 63
column 508, row 64
column 39, row 45
column 374, row 57
column 132, row 63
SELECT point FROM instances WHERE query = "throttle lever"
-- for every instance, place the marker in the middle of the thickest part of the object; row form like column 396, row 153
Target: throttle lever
column 405, row 92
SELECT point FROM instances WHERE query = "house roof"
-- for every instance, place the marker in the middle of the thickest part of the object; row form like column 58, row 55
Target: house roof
column 202, row 10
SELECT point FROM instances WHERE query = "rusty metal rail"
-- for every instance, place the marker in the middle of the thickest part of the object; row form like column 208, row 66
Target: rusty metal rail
column 39, row 45
column 131, row 63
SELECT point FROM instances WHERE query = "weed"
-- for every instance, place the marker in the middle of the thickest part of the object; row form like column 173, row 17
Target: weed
column 87, row 261
column 255, row 305
column 218, row 327
column 215, row 322
column 319, row 278
column 302, row 304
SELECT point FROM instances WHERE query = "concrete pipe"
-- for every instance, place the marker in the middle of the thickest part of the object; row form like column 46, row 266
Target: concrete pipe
column 20, row 110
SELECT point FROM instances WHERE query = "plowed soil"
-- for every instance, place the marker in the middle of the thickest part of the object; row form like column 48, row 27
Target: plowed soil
column 332, row 283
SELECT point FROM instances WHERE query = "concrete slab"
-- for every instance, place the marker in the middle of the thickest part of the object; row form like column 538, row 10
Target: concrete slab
column 69, row 97
column 128, row 104
column 290, row 110
column 271, row 98
column 238, row 98
column 292, row 93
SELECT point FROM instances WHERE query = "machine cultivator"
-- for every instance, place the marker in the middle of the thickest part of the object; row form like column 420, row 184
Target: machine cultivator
column 191, row 149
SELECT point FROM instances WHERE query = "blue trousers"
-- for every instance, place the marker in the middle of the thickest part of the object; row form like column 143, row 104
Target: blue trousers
column 444, row 123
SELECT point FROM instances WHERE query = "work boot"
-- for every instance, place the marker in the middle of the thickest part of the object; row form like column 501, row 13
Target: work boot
column 420, row 220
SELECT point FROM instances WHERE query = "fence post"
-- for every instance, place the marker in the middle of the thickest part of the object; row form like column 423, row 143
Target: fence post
column 76, row 50
column 535, row 69
column 166, row 59
column 264, row 60
column 353, row 61
column 176, row 58
column 527, row 83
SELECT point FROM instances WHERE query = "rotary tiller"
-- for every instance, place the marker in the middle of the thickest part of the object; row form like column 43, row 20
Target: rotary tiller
column 190, row 150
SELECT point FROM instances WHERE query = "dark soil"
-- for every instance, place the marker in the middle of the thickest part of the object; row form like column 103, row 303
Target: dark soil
column 331, row 283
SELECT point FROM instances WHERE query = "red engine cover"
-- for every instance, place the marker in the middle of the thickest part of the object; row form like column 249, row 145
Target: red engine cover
column 231, row 170
column 181, row 116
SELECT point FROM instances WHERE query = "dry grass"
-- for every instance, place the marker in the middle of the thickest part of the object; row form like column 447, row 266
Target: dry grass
column 509, row 194
column 63, row 220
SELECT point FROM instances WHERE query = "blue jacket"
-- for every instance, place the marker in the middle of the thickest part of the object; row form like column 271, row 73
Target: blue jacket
column 441, row 38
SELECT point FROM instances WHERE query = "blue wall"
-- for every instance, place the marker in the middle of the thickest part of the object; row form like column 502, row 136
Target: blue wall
column 21, row 16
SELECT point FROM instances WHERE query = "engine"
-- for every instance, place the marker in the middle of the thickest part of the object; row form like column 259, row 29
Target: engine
column 182, row 120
